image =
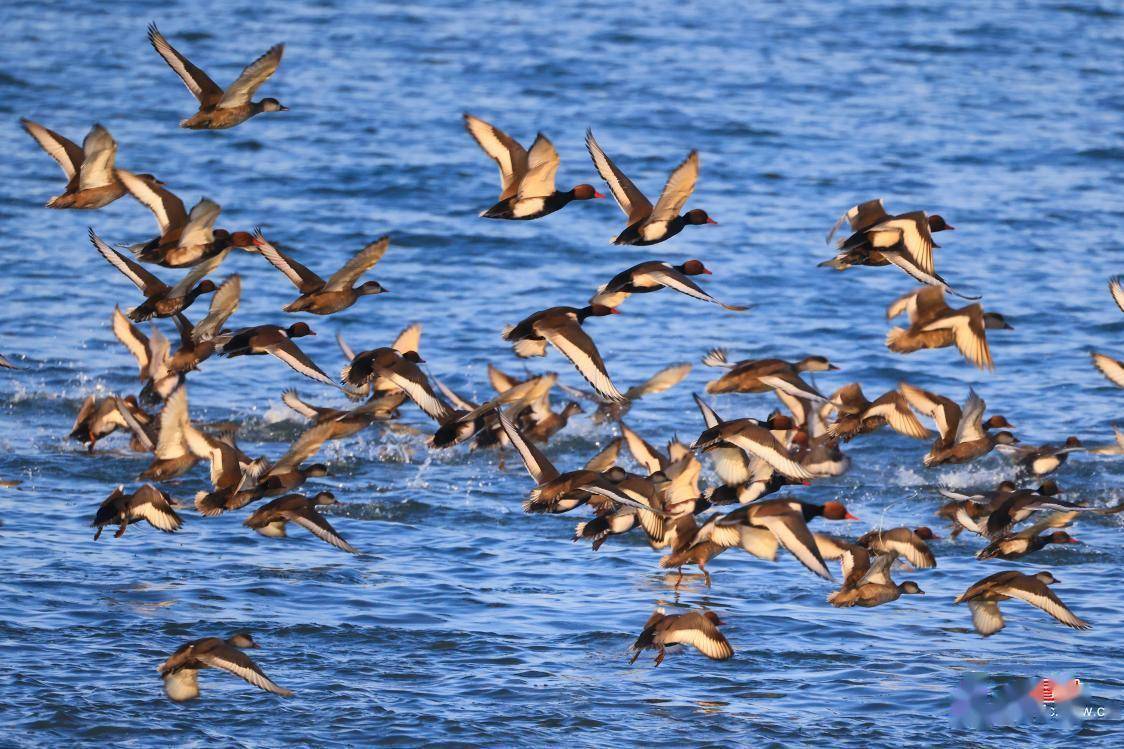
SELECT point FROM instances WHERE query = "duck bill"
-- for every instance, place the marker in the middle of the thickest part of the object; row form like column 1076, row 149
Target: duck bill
column 711, row 221
column 849, row 516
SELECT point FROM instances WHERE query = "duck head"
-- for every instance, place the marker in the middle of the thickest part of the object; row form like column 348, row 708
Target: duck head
column 996, row 321
column 697, row 216
column 713, row 618
column 1046, row 578
column 269, row 104
column 911, row 588
column 299, row 330
column 369, row 287
column 833, row 510
column 315, row 470
column 413, row 356
column 585, row 192
column 694, row 268
column 937, row 223
column 815, row 364
column 206, row 286
column 1061, row 537
column 596, row 310
column 324, row 498
column 571, row 408
column 925, row 533
column 1006, row 438
column 998, row 421
column 243, row 239
column 1072, row 442
column 242, row 640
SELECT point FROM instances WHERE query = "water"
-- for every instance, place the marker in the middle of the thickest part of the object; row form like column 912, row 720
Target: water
column 465, row 622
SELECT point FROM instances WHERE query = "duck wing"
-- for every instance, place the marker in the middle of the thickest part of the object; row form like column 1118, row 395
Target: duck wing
column 665, row 379
column 677, row 190
column 508, row 155
column 576, row 345
column 165, row 206
column 860, row 217
column 132, row 338
column 232, row 660
column 311, row 520
column 305, row 280
column 66, row 152
column 971, row 339
column 1038, row 594
column 538, row 465
column 542, row 166
column 197, row 82
column 364, row 260
column 628, row 196
column 699, row 632
column 223, row 304
column 97, row 167
column 673, row 279
column 290, row 353
column 252, row 77
column 148, row 284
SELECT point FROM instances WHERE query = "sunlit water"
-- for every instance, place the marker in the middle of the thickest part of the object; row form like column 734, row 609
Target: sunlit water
column 465, row 621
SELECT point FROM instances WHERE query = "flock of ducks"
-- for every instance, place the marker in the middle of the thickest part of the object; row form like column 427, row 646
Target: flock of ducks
column 752, row 458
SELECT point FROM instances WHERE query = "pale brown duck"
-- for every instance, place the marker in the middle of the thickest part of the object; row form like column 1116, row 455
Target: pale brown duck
column 322, row 297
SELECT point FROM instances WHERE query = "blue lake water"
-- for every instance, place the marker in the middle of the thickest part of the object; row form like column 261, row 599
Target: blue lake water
column 464, row 621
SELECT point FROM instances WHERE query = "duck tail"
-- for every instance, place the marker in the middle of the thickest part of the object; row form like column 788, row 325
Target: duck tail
column 837, row 263
column 209, row 504
column 716, row 357
column 672, row 560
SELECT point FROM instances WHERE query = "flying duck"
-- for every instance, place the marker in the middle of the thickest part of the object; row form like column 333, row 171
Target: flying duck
column 857, row 415
column 161, row 300
column 962, row 434
column 695, row 628
column 185, row 239
column 347, row 421
column 147, row 503
column 401, row 371
column 92, row 181
column 562, row 326
column 984, row 597
column 612, row 410
column 910, row 543
column 526, row 178
column 408, row 340
column 874, row 587
column 270, row 519
column 746, row 376
column 877, row 239
column 272, row 339
column 647, row 224
column 624, row 501
column 181, row 671
column 197, row 341
column 153, row 359
column 653, row 275
column 755, row 439
column 1030, row 539
column 219, row 109
column 556, row 492
column 100, row 417
column 933, row 324
column 322, row 297
column 1044, row 459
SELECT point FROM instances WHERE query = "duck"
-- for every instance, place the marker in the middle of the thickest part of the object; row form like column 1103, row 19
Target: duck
column 1042, row 460
column 648, row 224
column 161, row 300
column 408, row 340
column 857, row 415
column 541, row 422
column 878, row 239
column 469, row 419
column 745, row 376
column 985, row 595
column 180, row 671
column 562, row 327
column 197, row 341
column 624, row 501
column 653, row 275
column 185, row 239
column 814, row 448
column 219, row 109
column 152, row 356
column 147, row 503
column 744, row 478
column 1112, row 369
column 556, row 492
column 175, row 439
column 401, row 371
column 613, row 410
column 933, row 324
column 261, row 479
column 346, row 421
column 526, row 177
column 6, row 363
column 755, row 439
column 1117, row 446
column 1030, row 539
column 909, row 543
column 962, row 433
column 1021, row 504
column 273, row 339
column 874, row 587
column 100, row 417
column 699, row 629
column 92, row 181
column 270, row 519
column 321, row 297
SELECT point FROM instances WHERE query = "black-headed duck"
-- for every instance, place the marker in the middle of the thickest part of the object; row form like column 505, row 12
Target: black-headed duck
column 161, row 300
column 1030, row 539
column 322, row 297
column 147, row 503
column 654, row 275
column 273, row 339
column 745, row 376
column 695, row 628
column 220, row 109
column 181, row 671
column 92, row 181
column 562, row 326
column 984, row 597
column 401, row 371
column 648, row 224
column 526, row 177
column 857, row 415
column 933, row 324
column 270, row 519
column 878, row 239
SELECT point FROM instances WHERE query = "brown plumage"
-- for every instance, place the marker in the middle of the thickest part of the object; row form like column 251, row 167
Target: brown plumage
column 695, row 628
column 322, row 297
column 147, row 503
column 180, row 671
column 984, row 597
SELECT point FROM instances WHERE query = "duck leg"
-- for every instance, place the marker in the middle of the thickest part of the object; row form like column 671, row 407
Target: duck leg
column 679, row 579
column 659, row 658
column 706, row 575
